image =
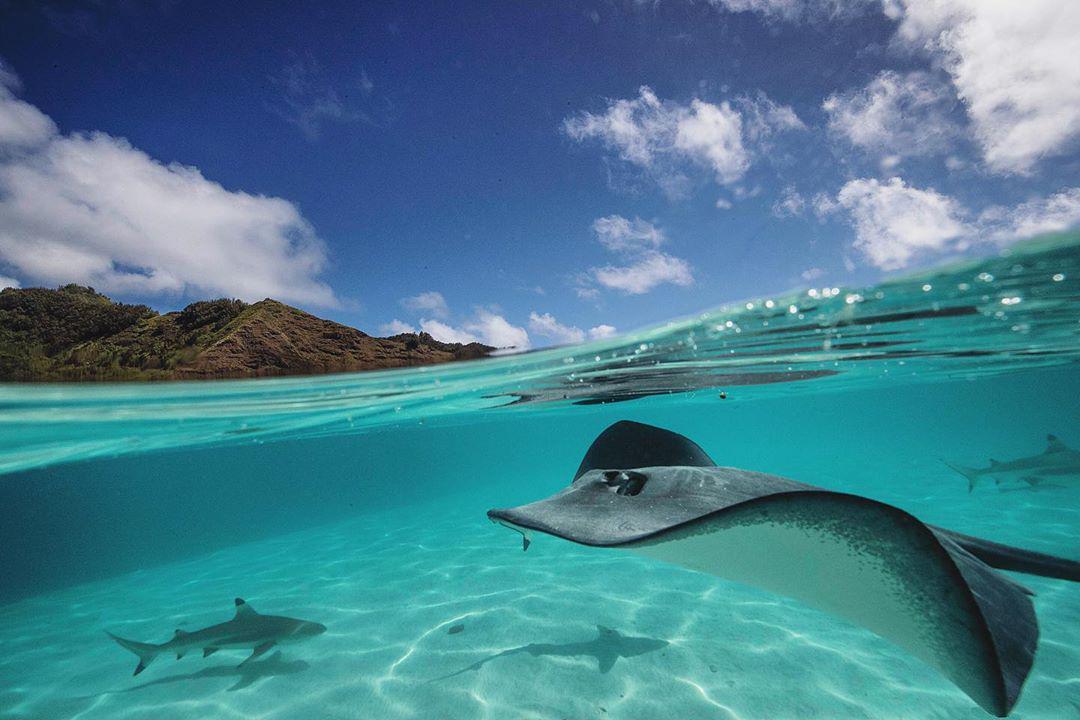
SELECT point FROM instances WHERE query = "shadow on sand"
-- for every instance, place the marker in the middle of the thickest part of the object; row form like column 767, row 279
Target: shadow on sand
column 246, row 676
column 607, row 647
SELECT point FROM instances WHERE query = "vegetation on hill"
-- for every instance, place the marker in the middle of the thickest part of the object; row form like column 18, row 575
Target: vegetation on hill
column 75, row 333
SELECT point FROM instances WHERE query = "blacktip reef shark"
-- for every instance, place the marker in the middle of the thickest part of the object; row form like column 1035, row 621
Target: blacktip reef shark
column 1058, row 460
column 931, row 591
column 247, row 629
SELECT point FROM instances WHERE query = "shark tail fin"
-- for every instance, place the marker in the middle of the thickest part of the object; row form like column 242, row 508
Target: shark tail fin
column 146, row 651
column 971, row 474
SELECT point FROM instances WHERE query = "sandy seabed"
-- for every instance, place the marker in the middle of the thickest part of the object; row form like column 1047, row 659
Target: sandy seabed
column 558, row 632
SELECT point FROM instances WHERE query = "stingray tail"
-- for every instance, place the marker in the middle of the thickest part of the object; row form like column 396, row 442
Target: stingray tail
column 146, row 651
column 972, row 474
column 1007, row 557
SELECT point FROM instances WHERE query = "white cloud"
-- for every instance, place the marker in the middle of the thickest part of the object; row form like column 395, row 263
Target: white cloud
column 895, row 222
column 1060, row 211
column 762, row 117
column 666, row 138
column 824, row 205
column 790, row 204
column 547, row 326
column 8, row 282
column 396, row 327
column 723, row 204
column 427, row 302
column 496, row 331
column 645, row 266
column 21, row 124
column 602, row 331
column 895, row 116
column 93, row 209
column 651, row 269
column 446, row 333
column 712, row 135
column 812, row 273
column 791, row 10
column 1014, row 64
column 618, row 234
column 485, row 327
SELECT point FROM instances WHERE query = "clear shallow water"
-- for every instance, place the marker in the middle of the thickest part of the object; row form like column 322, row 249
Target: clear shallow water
column 358, row 501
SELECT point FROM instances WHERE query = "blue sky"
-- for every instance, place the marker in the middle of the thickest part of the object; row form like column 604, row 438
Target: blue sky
column 525, row 173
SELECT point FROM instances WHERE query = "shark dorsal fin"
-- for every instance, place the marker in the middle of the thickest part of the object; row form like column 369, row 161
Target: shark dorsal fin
column 179, row 633
column 994, row 463
column 628, row 444
column 243, row 609
column 1053, row 444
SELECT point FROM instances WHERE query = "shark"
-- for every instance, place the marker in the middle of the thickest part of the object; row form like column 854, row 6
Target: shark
column 1057, row 461
column 247, row 629
column 936, row 593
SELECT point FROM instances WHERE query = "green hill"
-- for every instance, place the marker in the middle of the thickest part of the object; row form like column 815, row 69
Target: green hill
column 75, row 333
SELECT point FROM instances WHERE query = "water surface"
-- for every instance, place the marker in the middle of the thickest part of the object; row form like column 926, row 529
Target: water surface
column 358, row 501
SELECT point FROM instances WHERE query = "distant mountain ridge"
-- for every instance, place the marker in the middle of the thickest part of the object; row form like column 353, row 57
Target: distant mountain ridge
column 75, row 333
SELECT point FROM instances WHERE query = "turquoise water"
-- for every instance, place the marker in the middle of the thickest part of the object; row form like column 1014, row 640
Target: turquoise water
column 359, row 501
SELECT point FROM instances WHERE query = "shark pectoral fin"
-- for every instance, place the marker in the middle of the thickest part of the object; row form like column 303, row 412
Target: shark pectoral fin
column 259, row 650
column 208, row 651
column 180, row 654
column 605, row 660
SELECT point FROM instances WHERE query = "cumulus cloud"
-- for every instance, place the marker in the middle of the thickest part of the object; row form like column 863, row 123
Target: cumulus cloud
column 485, row 327
column 1060, row 211
column 666, row 139
column 1013, row 64
column 446, row 333
column 8, row 282
column 644, row 274
column 92, row 209
column 896, row 115
column 396, row 327
column 812, row 273
column 712, row 135
column 895, row 222
column 644, row 266
column 430, row 302
column 547, row 326
column 602, row 331
column 497, row 331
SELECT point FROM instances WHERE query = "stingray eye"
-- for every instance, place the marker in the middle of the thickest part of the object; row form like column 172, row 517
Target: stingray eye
column 625, row 482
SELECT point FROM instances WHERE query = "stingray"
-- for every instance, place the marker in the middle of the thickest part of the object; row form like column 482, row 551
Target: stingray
column 931, row 591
